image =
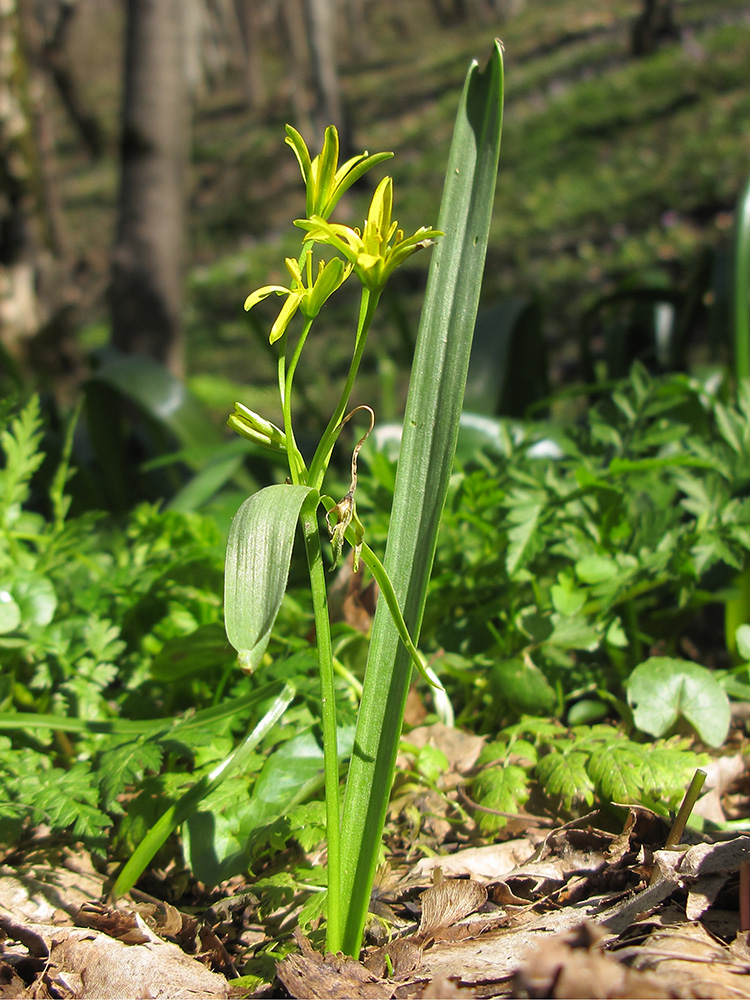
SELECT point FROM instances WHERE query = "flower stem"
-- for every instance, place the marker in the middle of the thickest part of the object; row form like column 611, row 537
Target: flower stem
column 328, row 719
column 319, row 464
column 297, row 468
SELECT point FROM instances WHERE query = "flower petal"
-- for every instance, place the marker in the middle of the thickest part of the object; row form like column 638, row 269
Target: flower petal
column 331, row 277
column 262, row 293
column 298, row 144
column 288, row 310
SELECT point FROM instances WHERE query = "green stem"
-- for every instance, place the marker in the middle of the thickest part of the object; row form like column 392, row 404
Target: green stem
column 319, row 464
column 328, row 719
column 296, row 462
column 294, row 457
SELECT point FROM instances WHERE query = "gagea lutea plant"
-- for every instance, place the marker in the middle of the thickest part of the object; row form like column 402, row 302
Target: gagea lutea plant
column 262, row 534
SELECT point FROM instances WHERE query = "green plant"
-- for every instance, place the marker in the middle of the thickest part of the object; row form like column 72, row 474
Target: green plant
column 569, row 551
column 117, row 676
column 576, row 766
column 260, row 543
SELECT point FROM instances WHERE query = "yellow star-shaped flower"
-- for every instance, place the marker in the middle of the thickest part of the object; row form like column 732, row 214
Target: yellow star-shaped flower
column 308, row 298
column 380, row 247
column 324, row 180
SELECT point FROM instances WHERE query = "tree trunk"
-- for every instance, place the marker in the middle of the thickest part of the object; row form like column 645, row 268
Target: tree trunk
column 29, row 268
column 256, row 92
column 56, row 58
column 147, row 271
column 328, row 108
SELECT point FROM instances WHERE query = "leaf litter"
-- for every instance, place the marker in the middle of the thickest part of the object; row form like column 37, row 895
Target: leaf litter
column 586, row 909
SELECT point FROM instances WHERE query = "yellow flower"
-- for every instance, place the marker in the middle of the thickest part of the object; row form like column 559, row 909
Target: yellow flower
column 376, row 251
column 324, row 182
column 309, row 299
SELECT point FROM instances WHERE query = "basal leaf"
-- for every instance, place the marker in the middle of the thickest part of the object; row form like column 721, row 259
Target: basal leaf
column 565, row 775
column 259, row 553
column 616, row 771
column 667, row 770
column 503, row 788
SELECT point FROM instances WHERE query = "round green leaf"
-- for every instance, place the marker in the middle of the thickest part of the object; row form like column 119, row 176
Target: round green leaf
column 567, row 600
column 36, row 598
column 10, row 613
column 663, row 689
column 595, row 569
column 742, row 636
column 521, row 687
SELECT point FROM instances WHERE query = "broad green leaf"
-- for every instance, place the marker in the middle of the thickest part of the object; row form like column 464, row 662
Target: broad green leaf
column 743, row 641
column 566, row 597
column 36, row 598
column 204, row 649
column 521, row 536
column 291, row 768
column 522, row 687
column 595, row 569
column 575, row 632
column 259, row 553
column 10, row 613
column 180, row 811
column 663, row 689
column 667, row 770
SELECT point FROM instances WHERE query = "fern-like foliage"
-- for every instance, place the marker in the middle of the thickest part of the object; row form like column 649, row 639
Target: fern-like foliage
column 578, row 768
column 20, row 444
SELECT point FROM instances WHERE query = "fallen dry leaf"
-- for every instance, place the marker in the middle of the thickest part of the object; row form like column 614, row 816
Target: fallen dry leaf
column 460, row 748
column 572, row 965
column 694, row 963
column 313, row 976
column 92, row 965
column 446, row 903
column 485, row 864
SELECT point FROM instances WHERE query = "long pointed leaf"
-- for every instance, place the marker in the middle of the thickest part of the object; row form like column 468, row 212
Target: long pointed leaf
column 259, row 553
column 430, row 431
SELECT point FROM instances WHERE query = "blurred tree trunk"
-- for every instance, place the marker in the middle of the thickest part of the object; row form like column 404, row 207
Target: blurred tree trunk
column 249, row 17
column 298, row 73
column 56, row 59
column 31, row 239
column 147, row 270
column 655, row 24
column 358, row 43
column 327, row 109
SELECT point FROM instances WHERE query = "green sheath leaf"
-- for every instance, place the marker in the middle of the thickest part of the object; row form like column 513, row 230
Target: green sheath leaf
column 259, row 553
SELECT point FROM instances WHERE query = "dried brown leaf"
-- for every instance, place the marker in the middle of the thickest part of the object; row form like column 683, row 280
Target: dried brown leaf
column 313, row 976
column 444, row 904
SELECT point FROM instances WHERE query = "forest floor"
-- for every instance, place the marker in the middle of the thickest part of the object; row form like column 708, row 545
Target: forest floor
column 595, row 907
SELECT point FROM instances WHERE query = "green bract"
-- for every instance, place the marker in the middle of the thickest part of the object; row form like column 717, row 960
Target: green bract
column 325, row 184
column 371, row 251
